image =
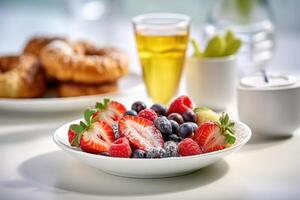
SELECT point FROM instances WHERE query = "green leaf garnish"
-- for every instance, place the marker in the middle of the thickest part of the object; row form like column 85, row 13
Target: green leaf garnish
column 230, row 138
column 102, row 105
column 76, row 128
column 227, row 128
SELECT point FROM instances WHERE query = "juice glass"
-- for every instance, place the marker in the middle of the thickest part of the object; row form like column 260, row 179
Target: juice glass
column 161, row 40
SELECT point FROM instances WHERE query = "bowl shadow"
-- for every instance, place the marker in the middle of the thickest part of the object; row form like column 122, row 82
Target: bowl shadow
column 61, row 171
column 257, row 142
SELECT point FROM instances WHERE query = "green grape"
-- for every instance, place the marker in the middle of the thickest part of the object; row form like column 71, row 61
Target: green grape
column 215, row 47
column 232, row 47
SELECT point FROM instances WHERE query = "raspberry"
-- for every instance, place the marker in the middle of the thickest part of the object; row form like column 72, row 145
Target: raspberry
column 180, row 105
column 120, row 148
column 148, row 114
column 188, row 147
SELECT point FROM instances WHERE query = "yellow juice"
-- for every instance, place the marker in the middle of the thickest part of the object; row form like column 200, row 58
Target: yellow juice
column 162, row 59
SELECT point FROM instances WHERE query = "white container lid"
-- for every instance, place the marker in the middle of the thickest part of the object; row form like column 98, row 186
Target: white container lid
column 274, row 82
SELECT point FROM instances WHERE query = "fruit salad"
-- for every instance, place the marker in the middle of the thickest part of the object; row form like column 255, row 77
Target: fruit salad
column 109, row 129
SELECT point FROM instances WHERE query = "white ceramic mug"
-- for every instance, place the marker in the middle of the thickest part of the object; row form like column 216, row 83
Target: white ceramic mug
column 212, row 82
column 270, row 111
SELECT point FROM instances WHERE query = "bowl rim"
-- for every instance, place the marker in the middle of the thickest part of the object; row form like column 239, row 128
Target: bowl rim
column 230, row 58
column 78, row 151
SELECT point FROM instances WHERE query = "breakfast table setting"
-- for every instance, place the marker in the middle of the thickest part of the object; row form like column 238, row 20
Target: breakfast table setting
column 188, row 112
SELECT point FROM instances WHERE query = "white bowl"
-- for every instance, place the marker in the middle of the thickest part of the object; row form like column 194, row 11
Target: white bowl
column 270, row 111
column 149, row 168
column 212, row 82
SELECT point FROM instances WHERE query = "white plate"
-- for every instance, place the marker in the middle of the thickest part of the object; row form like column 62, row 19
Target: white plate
column 150, row 168
column 128, row 84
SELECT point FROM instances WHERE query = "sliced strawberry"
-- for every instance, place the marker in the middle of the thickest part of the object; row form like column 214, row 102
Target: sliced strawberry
column 140, row 132
column 109, row 111
column 180, row 105
column 209, row 138
column 72, row 138
column 97, row 138
column 214, row 136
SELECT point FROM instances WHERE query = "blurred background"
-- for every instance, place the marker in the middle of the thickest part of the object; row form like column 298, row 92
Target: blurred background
column 108, row 22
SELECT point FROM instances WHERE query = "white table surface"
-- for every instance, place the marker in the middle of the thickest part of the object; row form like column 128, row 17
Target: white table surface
column 33, row 167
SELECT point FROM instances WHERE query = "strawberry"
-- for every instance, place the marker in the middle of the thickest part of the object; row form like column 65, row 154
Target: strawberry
column 109, row 111
column 93, row 135
column 213, row 136
column 148, row 114
column 180, row 105
column 97, row 138
column 71, row 137
column 188, row 147
column 120, row 148
column 140, row 132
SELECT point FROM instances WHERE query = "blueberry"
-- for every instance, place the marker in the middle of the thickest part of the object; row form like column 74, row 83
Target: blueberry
column 163, row 125
column 104, row 154
column 156, row 153
column 185, row 130
column 176, row 117
column 130, row 112
column 159, row 109
column 195, row 126
column 138, row 153
column 174, row 138
column 189, row 116
column 115, row 129
column 175, row 126
column 171, row 149
column 138, row 106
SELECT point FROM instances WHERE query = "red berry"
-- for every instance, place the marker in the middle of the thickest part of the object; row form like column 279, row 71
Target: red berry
column 180, row 105
column 71, row 137
column 97, row 138
column 209, row 137
column 120, row 148
column 212, row 136
column 109, row 111
column 188, row 147
column 148, row 114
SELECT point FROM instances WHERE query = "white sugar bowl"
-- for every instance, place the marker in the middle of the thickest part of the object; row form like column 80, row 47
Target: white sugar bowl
column 270, row 108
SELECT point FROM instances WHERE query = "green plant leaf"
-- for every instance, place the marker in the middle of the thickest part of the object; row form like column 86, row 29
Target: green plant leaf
column 76, row 128
column 88, row 113
column 230, row 138
column 82, row 124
